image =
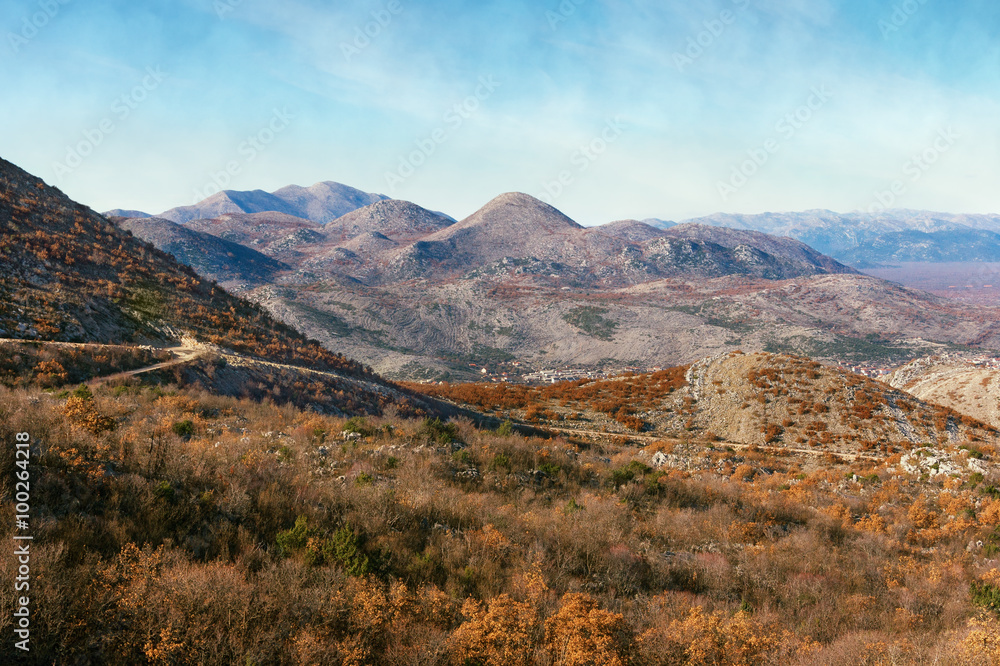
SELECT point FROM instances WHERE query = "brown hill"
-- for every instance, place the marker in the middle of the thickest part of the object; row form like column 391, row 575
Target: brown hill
column 518, row 231
column 751, row 400
column 794, row 402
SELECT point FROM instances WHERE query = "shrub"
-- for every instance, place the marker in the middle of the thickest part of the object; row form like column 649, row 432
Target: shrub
column 295, row 538
column 358, row 425
column 184, row 429
column 986, row 593
column 500, row 461
column 439, row 431
column 346, row 549
column 581, row 634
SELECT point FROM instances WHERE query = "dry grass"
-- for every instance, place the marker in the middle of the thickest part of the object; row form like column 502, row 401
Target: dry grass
column 209, row 530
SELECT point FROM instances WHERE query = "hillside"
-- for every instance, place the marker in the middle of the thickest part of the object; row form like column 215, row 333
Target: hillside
column 243, row 532
column 261, row 500
column 518, row 286
column 632, row 230
column 285, row 238
column 780, row 246
column 516, row 230
column 71, row 275
column 401, row 221
column 212, row 257
column 752, row 400
column 955, row 382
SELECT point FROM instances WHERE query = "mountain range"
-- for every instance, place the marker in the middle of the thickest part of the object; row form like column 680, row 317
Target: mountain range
column 857, row 239
column 519, row 284
column 71, row 278
column 320, row 203
column 866, row 240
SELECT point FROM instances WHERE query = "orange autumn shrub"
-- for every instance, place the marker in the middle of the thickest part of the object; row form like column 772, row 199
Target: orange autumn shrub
column 498, row 632
column 581, row 634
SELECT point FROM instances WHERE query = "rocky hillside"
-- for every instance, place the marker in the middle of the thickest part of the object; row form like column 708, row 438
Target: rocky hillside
column 419, row 296
column 516, row 231
column 750, row 400
column 215, row 258
column 955, row 382
column 398, row 220
column 285, row 238
column 795, row 402
column 787, row 248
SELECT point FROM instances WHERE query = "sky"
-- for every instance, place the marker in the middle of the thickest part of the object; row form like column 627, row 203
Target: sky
column 607, row 110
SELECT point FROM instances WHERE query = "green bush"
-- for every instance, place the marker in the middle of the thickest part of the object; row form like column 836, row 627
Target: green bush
column 294, row 539
column 550, row 468
column 439, row 431
column 626, row 473
column 183, row 428
column 164, row 490
column 500, row 461
column 346, row 549
column 589, row 320
column 986, row 595
column 359, row 425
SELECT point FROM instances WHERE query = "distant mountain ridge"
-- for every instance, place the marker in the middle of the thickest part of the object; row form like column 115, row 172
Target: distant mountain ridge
column 321, row 203
column 864, row 240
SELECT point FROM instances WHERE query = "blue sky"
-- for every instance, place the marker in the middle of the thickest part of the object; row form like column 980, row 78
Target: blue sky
column 609, row 110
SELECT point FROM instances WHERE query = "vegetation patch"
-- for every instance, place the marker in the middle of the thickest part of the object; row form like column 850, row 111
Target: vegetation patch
column 591, row 321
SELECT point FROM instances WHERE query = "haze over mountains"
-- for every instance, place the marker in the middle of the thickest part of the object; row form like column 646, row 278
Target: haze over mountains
column 866, row 240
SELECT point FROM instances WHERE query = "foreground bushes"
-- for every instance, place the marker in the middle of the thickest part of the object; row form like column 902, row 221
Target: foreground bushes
column 257, row 534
